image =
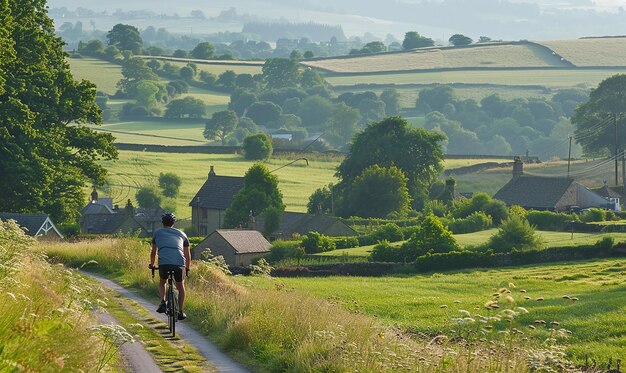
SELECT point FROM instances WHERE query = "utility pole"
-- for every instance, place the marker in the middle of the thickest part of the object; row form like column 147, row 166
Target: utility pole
column 569, row 155
column 623, row 173
column 615, row 145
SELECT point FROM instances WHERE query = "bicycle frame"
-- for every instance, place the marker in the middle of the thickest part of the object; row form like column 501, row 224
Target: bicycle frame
column 171, row 300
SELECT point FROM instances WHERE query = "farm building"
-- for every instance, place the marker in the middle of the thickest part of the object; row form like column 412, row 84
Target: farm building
column 36, row 225
column 238, row 247
column 210, row 202
column 100, row 216
column 300, row 223
column 547, row 193
column 610, row 195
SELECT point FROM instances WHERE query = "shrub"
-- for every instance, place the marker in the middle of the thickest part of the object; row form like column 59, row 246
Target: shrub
column 432, row 236
column 549, row 221
column 385, row 252
column 497, row 210
column 454, row 260
column 257, row 146
column 514, row 232
column 345, row 242
column 477, row 221
column 435, row 207
column 605, row 244
column 317, row 243
column 593, row 214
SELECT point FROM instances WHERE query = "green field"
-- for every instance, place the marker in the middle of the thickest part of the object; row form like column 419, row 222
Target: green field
column 103, row 74
column 414, row 303
column 216, row 68
column 591, row 52
column 135, row 169
column 550, row 239
column 547, row 78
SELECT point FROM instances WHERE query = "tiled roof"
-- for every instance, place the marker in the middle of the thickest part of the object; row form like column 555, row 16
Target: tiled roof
column 217, row 192
column 105, row 223
column 607, row 192
column 97, row 207
column 302, row 223
column 32, row 222
column 534, row 191
column 245, row 241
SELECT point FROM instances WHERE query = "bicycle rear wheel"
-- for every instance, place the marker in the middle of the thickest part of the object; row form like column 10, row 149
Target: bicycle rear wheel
column 171, row 309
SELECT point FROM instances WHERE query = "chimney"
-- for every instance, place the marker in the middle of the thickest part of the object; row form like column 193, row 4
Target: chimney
column 451, row 185
column 518, row 167
column 129, row 209
column 94, row 195
column 251, row 222
column 212, row 171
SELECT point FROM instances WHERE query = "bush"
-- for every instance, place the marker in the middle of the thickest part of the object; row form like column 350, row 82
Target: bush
column 515, row 232
column 257, row 146
column 593, row 214
column 477, row 221
column 345, row 242
column 432, row 236
column 385, row 252
column 549, row 221
column 387, row 232
column 454, row 260
column 317, row 243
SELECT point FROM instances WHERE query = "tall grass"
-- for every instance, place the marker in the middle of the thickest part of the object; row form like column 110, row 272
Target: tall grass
column 277, row 329
column 46, row 311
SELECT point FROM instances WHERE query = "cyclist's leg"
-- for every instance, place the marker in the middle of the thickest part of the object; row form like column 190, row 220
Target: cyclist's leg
column 181, row 295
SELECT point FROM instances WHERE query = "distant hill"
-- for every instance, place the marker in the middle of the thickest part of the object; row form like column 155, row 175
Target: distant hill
column 592, row 52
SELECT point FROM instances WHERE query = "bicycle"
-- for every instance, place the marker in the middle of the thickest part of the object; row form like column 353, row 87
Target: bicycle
column 171, row 301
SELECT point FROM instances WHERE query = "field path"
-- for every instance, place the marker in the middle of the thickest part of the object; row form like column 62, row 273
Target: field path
column 215, row 357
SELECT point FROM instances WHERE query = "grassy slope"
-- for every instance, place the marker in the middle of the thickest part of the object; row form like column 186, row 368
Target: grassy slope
column 413, row 303
column 104, row 74
column 435, row 58
column 547, row 78
column 135, row 169
column 591, row 52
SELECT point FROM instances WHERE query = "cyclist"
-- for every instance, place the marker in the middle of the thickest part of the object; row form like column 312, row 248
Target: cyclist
column 172, row 246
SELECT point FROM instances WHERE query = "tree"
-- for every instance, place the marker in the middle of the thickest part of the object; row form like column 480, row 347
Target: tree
column 374, row 47
column 342, row 125
column 189, row 107
column 44, row 161
column 435, row 98
column 281, row 72
column 321, row 200
column 392, row 142
column 170, row 184
column 203, row 51
column 148, row 197
column 597, row 120
column 431, row 236
column 459, row 40
column 257, row 146
column 515, row 233
column 264, row 112
column 378, row 192
column 315, row 111
column 125, row 37
column 391, row 98
column 134, row 71
column 414, row 40
column 227, row 79
column 221, row 124
column 260, row 192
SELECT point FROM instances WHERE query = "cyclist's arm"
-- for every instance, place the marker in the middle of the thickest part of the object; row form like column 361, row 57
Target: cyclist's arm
column 153, row 254
column 187, row 256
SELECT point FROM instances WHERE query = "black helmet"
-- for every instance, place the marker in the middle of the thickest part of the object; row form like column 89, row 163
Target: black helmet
column 168, row 218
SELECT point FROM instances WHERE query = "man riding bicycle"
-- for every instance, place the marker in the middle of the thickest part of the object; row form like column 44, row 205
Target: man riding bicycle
column 173, row 249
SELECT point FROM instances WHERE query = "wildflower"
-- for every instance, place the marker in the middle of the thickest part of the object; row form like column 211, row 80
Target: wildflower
column 526, row 297
column 12, row 296
column 464, row 312
column 509, row 299
column 524, row 310
column 457, row 301
column 443, row 306
column 522, row 290
column 574, row 299
column 566, row 297
column 555, row 323
column 511, row 285
column 503, row 290
column 532, row 327
column 381, row 335
column 539, row 299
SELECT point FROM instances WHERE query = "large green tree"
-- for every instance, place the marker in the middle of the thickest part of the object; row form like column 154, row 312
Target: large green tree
column 392, row 142
column 203, row 50
column 259, row 193
column 598, row 120
column 378, row 192
column 44, row 161
column 281, row 72
column 125, row 37
column 412, row 40
column 221, row 124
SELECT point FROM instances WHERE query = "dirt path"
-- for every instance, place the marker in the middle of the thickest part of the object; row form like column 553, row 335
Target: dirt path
column 209, row 351
column 135, row 356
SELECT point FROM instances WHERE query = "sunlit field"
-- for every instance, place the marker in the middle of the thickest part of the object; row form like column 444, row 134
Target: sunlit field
column 104, row 75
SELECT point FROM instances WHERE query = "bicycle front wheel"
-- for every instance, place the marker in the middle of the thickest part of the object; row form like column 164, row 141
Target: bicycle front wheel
column 171, row 308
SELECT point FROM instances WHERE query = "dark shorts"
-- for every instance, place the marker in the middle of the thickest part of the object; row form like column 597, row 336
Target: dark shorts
column 178, row 271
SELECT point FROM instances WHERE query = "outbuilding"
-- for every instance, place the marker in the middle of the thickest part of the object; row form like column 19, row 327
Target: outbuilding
column 238, row 247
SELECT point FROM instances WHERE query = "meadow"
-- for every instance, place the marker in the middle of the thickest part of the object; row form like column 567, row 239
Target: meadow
column 103, row 74
column 591, row 52
column 425, row 304
column 135, row 169
column 549, row 239
column 278, row 325
column 488, row 55
column 556, row 78
column 214, row 67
